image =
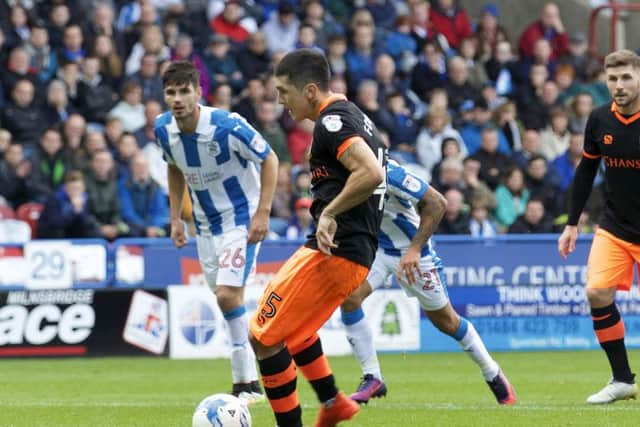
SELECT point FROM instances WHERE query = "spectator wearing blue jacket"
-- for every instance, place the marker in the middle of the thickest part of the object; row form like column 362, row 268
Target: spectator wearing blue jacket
column 42, row 59
column 66, row 212
column 361, row 57
column 565, row 165
column 401, row 45
column 405, row 129
column 143, row 204
column 472, row 131
column 221, row 64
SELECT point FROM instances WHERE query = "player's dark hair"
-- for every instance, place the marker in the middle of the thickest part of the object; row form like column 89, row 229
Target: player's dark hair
column 621, row 58
column 181, row 73
column 305, row 66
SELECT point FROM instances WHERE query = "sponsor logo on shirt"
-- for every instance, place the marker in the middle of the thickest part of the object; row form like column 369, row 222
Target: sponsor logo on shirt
column 319, row 172
column 199, row 178
column 411, row 183
column 617, row 162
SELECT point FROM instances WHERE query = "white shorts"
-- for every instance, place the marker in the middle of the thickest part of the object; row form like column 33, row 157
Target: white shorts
column 430, row 289
column 228, row 259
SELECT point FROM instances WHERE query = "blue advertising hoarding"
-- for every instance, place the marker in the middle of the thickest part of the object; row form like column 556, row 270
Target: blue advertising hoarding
column 519, row 293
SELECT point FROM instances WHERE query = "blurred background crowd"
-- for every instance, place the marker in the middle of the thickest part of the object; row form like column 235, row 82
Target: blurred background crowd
column 493, row 120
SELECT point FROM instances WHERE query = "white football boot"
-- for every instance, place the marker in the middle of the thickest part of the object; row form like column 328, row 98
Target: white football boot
column 614, row 390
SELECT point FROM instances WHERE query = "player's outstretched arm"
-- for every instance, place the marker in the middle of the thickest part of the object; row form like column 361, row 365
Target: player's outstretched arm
column 366, row 174
column 582, row 185
column 268, row 178
column 431, row 207
column 176, row 194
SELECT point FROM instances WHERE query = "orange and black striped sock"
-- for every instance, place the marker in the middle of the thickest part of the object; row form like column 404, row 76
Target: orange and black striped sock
column 609, row 329
column 315, row 368
column 279, row 379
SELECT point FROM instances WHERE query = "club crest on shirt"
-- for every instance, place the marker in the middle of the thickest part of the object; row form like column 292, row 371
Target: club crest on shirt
column 213, row 148
column 258, row 144
column 332, row 122
column 411, row 183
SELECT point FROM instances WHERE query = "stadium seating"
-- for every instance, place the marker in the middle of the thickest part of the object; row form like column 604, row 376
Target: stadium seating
column 30, row 213
column 6, row 212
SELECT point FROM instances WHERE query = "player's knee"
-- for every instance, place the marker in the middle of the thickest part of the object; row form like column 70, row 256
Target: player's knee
column 600, row 297
column 263, row 351
column 258, row 348
column 255, row 344
column 228, row 298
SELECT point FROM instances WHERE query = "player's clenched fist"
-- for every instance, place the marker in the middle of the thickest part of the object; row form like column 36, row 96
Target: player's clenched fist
column 258, row 227
column 567, row 241
column 177, row 233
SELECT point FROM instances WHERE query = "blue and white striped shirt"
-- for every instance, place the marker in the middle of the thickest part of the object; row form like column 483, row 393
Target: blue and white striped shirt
column 221, row 162
column 401, row 220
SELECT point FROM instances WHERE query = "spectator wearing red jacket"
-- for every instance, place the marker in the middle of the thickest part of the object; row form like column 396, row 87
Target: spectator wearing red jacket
column 228, row 22
column 550, row 27
column 450, row 20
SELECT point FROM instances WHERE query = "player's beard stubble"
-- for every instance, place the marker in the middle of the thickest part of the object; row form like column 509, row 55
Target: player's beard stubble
column 625, row 98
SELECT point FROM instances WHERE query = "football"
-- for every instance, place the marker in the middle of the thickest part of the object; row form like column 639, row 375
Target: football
column 221, row 410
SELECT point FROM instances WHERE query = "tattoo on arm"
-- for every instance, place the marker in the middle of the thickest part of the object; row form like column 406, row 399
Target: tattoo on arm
column 431, row 209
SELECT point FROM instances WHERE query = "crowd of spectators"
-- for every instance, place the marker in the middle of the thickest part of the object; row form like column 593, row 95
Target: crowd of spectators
column 493, row 120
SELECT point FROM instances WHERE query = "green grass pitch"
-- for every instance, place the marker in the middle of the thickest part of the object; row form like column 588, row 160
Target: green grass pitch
column 424, row 390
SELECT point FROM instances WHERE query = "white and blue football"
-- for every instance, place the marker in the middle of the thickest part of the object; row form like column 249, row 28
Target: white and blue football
column 222, row 410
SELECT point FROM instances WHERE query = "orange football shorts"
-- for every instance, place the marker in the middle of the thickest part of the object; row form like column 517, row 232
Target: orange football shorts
column 611, row 261
column 303, row 295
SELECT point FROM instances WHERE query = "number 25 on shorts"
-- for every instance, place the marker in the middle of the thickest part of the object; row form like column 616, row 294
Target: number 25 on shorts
column 269, row 309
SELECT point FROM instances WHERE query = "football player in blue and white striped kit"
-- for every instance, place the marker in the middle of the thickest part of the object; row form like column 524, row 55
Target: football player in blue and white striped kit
column 231, row 174
column 412, row 212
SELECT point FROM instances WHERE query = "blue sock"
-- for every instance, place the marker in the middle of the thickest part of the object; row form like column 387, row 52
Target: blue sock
column 352, row 317
column 462, row 329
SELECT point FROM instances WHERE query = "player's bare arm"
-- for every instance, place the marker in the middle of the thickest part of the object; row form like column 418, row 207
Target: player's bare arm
column 268, row 179
column 582, row 185
column 431, row 208
column 366, row 174
column 176, row 194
